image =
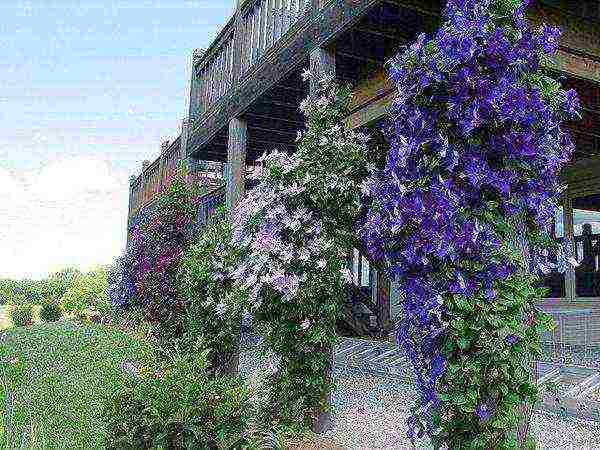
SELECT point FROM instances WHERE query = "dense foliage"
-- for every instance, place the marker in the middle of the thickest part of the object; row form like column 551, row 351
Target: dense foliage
column 37, row 291
column 21, row 315
column 87, row 293
column 179, row 406
column 460, row 214
column 292, row 261
column 149, row 268
column 213, row 304
column 50, row 311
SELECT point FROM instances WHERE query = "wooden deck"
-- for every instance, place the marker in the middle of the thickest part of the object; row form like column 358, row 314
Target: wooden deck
column 246, row 87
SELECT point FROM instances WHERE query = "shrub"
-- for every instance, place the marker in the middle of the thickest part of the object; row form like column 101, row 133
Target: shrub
column 88, row 292
column 156, row 248
column 22, row 315
column 178, row 406
column 51, row 311
column 213, row 304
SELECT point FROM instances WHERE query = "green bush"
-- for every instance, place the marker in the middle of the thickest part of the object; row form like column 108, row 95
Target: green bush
column 22, row 315
column 50, row 311
column 177, row 406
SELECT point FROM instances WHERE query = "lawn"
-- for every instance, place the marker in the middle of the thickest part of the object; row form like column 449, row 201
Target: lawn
column 67, row 372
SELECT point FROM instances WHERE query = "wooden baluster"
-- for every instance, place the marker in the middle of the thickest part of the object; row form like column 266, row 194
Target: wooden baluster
column 250, row 38
column 217, row 76
column 221, row 72
column 295, row 10
column 286, row 15
column 215, row 71
column 230, row 65
column 209, row 79
column 255, row 34
column 268, row 23
column 265, row 28
column 260, row 27
column 276, row 20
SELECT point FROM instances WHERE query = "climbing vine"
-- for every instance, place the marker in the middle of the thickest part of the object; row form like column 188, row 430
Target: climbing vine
column 460, row 215
column 148, row 279
column 293, row 252
column 214, row 305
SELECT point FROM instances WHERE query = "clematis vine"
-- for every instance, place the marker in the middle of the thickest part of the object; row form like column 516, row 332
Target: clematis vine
column 213, row 305
column 294, row 231
column 460, row 213
column 146, row 278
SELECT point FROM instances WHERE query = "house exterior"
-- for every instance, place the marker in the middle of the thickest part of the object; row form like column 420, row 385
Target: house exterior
column 246, row 88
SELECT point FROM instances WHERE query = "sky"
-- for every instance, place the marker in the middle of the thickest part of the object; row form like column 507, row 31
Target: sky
column 88, row 90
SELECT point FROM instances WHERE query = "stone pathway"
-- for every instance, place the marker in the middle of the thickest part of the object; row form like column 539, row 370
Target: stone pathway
column 374, row 393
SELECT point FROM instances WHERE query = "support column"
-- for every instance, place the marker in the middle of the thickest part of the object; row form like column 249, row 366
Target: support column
column 236, row 161
column 196, row 106
column 164, row 147
column 322, row 64
column 569, row 235
column 145, row 182
column 185, row 133
column 383, row 300
column 131, row 205
column 182, row 157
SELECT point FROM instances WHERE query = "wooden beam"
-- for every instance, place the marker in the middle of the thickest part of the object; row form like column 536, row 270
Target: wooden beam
column 236, row 161
column 273, row 119
column 272, row 130
column 361, row 58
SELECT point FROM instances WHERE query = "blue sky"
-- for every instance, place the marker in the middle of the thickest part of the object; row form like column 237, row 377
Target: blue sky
column 89, row 89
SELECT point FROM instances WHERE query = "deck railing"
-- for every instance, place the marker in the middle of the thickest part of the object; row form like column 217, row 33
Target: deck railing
column 216, row 74
column 265, row 23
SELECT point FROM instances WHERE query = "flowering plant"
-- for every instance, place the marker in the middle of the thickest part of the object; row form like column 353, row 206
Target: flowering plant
column 292, row 252
column 461, row 212
column 148, row 281
column 213, row 303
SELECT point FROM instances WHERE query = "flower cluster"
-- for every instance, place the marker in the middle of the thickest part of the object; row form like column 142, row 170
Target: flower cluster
column 213, row 302
column 145, row 277
column 283, row 240
column 120, row 284
column 294, row 230
column 476, row 146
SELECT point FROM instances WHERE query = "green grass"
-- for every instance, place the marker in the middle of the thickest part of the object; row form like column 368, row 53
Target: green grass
column 67, row 372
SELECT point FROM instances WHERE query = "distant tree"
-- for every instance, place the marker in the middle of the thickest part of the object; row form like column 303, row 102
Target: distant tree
column 88, row 293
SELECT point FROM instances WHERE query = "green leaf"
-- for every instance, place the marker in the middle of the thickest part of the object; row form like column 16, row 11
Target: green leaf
column 463, row 343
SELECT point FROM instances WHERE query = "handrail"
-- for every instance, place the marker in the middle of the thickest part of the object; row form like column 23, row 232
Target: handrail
column 265, row 22
column 216, row 74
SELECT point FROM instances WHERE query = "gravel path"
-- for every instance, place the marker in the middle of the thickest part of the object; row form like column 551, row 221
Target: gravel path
column 370, row 412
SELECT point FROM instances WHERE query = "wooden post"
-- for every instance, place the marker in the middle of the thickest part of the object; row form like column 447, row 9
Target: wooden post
column 164, row 148
column 322, row 63
column 570, row 292
column 236, row 161
column 145, row 182
column 383, row 300
column 131, row 204
column 197, row 86
column 186, row 124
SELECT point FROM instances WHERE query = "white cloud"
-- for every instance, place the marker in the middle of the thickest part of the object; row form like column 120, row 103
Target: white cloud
column 71, row 212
